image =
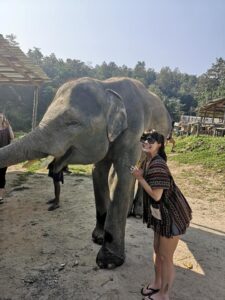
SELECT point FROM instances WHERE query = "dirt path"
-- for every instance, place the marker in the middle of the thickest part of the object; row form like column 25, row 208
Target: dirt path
column 50, row 255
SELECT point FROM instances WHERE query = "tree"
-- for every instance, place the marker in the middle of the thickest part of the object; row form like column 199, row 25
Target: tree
column 103, row 71
column 126, row 72
column 35, row 55
column 188, row 104
column 150, row 76
column 12, row 39
column 169, row 81
column 217, row 71
column 216, row 76
column 140, row 72
column 174, row 107
column 211, row 84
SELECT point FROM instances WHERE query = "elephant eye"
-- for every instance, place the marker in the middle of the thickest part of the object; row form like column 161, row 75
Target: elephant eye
column 72, row 123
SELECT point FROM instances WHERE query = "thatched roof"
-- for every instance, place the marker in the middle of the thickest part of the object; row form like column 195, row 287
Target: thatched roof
column 213, row 109
column 17, row 68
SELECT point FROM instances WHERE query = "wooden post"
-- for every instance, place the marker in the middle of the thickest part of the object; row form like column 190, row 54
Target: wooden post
column 214, row 109
column 35, row 105
column 198, row 129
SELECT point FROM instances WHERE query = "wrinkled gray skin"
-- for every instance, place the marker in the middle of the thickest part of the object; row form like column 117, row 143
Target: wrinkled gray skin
column 100, row 123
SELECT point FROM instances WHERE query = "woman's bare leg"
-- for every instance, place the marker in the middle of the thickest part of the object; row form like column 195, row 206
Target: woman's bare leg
column 167, row 247
column 157, row 262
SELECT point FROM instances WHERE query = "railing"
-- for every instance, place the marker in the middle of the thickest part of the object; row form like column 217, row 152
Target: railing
column 199, row 128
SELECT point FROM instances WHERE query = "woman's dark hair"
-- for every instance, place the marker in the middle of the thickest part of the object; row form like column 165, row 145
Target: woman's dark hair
column 159, row 138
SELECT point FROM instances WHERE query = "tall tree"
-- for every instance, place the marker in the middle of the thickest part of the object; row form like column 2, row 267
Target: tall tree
column 140, row 72
column 211, row 84
column 169, row 81
column 35, row 55
column 12, row 39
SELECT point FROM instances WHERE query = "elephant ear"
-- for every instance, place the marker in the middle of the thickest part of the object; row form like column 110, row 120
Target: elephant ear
column 116, row 115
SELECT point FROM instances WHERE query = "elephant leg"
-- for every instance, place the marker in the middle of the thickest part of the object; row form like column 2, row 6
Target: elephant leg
column 102, row 198
column 112, row 252
column 138, row 203
column 132, row 199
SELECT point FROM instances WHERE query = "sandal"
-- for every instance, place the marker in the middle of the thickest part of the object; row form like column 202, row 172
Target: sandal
column 150, row 291
column 51, row 201
column 53, row 206
column 1, row 200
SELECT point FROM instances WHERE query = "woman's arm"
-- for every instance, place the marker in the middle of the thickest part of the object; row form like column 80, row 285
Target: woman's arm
column 156, row 194
column 11, row 134
column 6, row 124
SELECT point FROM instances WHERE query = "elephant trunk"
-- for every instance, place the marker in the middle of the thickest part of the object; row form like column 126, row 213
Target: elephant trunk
column 26, row 148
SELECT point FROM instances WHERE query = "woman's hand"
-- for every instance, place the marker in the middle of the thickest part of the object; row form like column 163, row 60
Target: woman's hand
column 137, row 173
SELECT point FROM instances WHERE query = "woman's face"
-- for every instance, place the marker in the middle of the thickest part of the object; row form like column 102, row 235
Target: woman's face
column 150, row 146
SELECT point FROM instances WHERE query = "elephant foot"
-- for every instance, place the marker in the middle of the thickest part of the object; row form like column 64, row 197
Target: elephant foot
column 108, row 260
column 97, row 236
column 138, row 212
column 135, row 215
column 138, row 216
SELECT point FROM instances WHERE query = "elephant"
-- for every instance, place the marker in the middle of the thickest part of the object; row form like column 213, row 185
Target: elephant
column 97, row 122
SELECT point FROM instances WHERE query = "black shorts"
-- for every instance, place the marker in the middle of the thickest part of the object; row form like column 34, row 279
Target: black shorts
column 57, row 177
column 2, row 177
column 175, row 230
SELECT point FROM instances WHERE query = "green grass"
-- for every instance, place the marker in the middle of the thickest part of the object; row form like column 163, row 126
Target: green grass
column 207, row 151
column 75, row 169
column 81, row 169
column 19, row 134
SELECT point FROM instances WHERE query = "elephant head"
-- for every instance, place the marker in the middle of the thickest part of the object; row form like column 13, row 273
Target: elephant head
column 78, row 127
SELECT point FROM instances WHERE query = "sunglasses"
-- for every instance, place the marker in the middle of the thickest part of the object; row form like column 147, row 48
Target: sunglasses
column 147, row 139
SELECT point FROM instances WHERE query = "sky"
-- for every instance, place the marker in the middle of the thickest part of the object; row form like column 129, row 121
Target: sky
column 188, row 35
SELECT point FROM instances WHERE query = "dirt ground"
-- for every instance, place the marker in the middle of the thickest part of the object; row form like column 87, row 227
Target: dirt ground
column 50, row 255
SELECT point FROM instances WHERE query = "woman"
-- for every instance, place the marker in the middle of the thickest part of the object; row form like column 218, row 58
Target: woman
column 6, row 135
column 166, row 211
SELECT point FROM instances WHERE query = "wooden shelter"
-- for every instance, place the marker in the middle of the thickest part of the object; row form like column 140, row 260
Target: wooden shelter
column 213, row 109
column 17, row 69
